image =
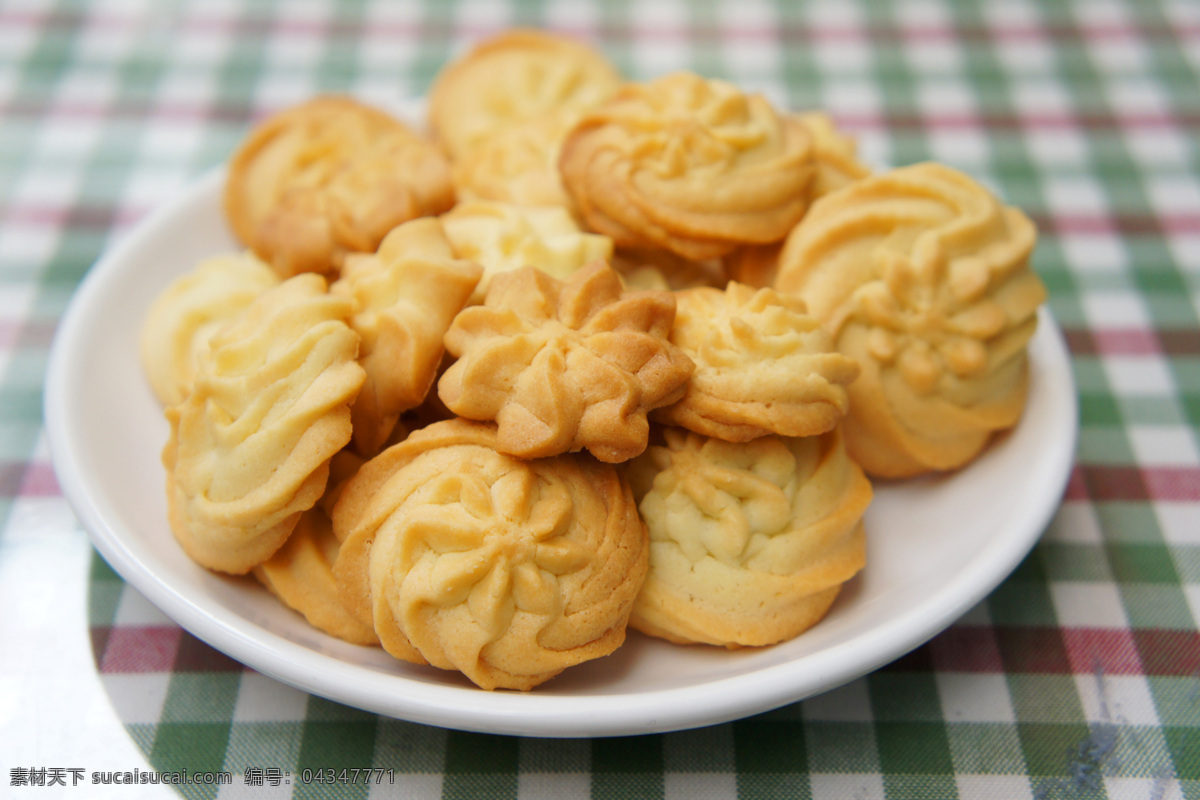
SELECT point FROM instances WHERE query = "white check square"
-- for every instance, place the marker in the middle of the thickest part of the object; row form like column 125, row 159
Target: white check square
column 1163, row 445
column 263, row 699
column 972, row 697
column 1139, row 376
column 1088, row 605
column 1058, row 148
column 1095, row 252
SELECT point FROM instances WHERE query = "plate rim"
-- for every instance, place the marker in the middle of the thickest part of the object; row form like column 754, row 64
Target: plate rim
column 531, row 714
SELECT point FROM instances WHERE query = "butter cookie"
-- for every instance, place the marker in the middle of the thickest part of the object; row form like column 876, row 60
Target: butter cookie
column 329, row 177
column 688, row 165
column 504, row 569
column 189, row 311
column 405, row 296
column 510, row 79
column 763, row 365
column 504, row 236
column 562, row 366
column 250, row 447
column 749, row 543
column 922, row 276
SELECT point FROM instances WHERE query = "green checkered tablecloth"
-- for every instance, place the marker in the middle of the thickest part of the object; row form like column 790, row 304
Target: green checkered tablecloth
column 1079, row 677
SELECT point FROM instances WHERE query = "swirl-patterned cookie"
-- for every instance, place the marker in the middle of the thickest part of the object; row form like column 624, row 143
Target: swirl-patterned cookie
column 689, row 165
column 405, row 296
column 503, row 236
column 506, row 570
column 749, row 543
column 763, row 365
column 922, row 276
column 565, row 366
column 510, row 79
column 250, row 446
column 329, row 177
column 189, row 311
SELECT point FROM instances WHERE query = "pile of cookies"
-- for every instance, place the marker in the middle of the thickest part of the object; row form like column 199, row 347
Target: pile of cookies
column 588, row 354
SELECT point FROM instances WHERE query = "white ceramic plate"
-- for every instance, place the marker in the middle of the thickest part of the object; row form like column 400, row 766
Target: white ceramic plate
column 936, row 547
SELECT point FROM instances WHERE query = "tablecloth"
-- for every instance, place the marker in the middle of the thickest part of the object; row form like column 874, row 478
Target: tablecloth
column 1079, row 677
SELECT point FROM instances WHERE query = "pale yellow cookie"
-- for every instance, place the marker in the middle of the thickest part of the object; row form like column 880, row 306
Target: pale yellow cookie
column 405, row 297
column 329, row 177
column 511, row 78
column 565, row 366
column 922, row 276
column 749, row 543
column 250, row 446
column 506, row 570
column 300, row 574
column 763, row 365
column 503, row 236
column 189, row 311
column 689, row 165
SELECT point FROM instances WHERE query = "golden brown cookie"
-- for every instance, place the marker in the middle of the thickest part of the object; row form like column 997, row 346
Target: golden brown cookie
column 189, row 311
column 300, row 574
column 405, row 297
column 250, row 446
column 922, row 276
column 749, row 543
column 503, row 236
column 329, row 177
column 504, row 569
column 763, row 365
column 511, row 78
column 689, row 165
column 565, row 366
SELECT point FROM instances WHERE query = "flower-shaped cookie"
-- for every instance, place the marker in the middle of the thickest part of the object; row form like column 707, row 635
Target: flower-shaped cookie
column 689, row 165
column 564, row 366
column 504, row 236
column 250, row 446
column 330, row 177
column 189, row 311
column 763, row 365
column 749, row 543
column 504, row 569
column 405, row 297
column 923, row 277
column 510, row 79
